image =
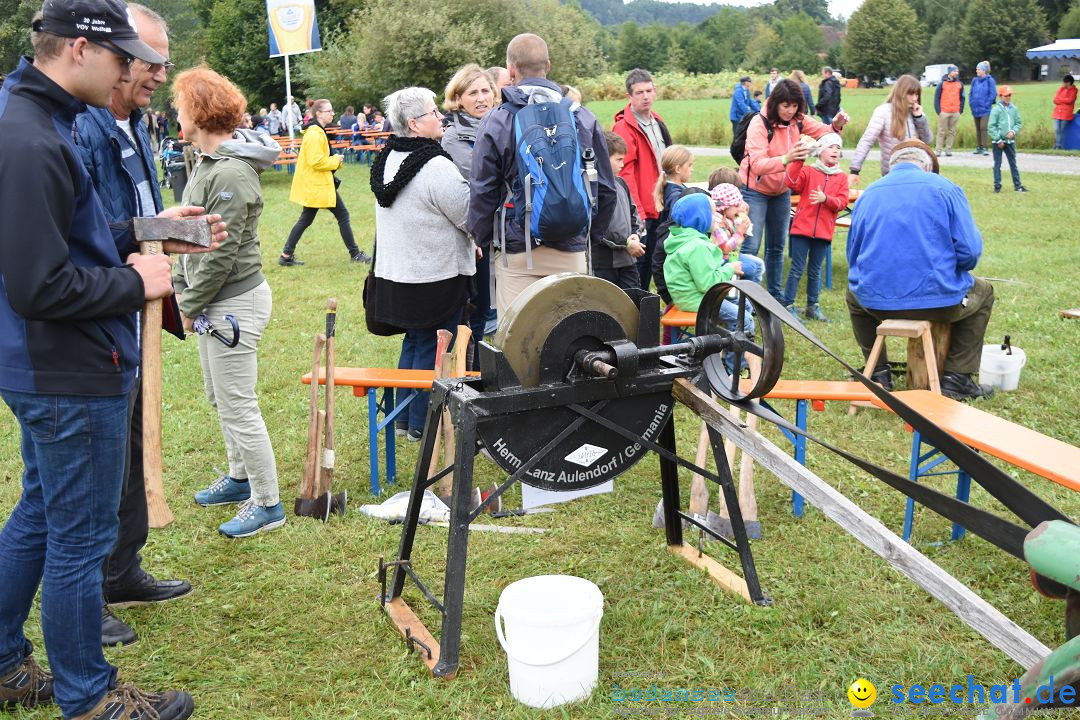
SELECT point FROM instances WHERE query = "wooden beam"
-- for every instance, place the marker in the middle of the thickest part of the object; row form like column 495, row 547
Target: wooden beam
column 978, row 614
column 405, row 620
column 723, row 577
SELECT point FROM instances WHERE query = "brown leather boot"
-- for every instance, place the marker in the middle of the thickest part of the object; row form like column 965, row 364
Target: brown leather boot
column 127, row 702
column 27, row 685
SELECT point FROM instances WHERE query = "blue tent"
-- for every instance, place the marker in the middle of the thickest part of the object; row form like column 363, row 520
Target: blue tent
column 1060, row 49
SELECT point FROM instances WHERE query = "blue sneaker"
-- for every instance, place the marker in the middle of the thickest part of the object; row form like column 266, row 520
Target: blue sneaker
column 223, row 491
column 252, row 519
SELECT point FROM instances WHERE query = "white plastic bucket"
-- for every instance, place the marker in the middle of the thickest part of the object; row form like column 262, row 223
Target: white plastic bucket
column 1000, row 370
column 552, row 638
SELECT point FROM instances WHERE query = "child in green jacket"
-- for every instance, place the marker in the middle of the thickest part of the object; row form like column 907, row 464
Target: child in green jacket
column 1003, row 128
column 695, row 263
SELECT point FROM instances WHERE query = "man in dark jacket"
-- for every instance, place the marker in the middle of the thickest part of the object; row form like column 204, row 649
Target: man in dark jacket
column 828, row 103
column 116, row 151
column 71, row 288
column 646, row 136
column 494, row 170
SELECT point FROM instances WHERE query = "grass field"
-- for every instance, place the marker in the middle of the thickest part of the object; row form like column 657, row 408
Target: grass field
column 286, row 625
column 705, row 122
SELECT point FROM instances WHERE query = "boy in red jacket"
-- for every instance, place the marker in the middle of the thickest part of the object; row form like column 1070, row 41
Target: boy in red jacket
column 823, row 193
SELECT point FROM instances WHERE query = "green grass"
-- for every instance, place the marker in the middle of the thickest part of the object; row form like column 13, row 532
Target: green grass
column 286, row 625
column 705, row 122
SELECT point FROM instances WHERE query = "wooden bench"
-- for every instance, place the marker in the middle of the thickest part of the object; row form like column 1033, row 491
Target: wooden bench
column 367, row 381
column 1015, row 444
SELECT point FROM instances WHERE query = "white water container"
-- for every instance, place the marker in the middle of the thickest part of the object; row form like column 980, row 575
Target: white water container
column 1000, row 369
column 552, row 638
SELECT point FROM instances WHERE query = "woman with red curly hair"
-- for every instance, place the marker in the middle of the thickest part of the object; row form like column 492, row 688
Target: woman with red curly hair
column 229, row 281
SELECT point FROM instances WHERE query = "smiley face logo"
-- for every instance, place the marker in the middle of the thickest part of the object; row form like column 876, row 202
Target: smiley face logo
column 862, row 693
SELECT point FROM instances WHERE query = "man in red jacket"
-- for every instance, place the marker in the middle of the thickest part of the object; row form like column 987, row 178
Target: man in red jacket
column 646, row 136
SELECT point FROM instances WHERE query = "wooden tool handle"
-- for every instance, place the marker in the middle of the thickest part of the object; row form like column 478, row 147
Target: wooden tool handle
column 307, row 487
column 326, row 476
column 158, row 513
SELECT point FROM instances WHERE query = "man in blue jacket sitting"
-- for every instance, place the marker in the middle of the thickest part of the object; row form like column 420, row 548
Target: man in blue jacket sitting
column 917, row 265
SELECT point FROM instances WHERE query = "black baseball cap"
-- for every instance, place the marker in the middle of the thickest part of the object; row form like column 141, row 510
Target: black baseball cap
column 96, row 20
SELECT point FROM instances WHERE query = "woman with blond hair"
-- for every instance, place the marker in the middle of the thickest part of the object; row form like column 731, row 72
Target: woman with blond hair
column 800, row 77
column 229, row 281
column 676, row 169
column 468, row 97
column 899, row 118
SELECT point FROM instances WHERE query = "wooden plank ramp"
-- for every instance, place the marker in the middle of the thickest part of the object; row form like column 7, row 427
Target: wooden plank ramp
column 978, row 614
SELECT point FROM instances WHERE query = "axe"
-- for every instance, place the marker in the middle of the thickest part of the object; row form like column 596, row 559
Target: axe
column 150, row 233
column 337, row 502
column 308, row 505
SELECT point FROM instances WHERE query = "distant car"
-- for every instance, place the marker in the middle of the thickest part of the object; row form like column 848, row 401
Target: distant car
column 888, row 81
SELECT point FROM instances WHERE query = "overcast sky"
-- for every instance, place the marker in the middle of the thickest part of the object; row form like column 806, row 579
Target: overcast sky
column 836, row 7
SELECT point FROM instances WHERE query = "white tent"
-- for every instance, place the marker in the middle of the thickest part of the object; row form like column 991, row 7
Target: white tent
column 1061, row 49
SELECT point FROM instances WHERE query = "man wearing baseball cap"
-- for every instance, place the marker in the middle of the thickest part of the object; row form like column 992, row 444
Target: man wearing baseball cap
column 927, row 276
column 948, row 104
column 70, row 288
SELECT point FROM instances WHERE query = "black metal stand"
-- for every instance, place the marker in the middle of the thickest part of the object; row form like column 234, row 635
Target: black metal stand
column 594, row 406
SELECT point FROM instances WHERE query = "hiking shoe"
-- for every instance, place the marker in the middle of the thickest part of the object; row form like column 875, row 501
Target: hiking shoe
column 146, row 589
column 1021, row 189
column 948, row 153
column 977, row 151
column 959, row 386
column 882, row 375
column 115, row 631
column 288, row 261
column 27, row 685
column 361, row 257
column 813, row 312
column 401, row 429
column 252, row 519
column 414, row 435
column 997, row 189
column 793, row 310
column 224, row 491
column 127, row 702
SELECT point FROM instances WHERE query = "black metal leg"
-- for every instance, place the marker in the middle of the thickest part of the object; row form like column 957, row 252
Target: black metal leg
column 738, row 527
column 416, row 496
column 669, row 483
column 457, row 546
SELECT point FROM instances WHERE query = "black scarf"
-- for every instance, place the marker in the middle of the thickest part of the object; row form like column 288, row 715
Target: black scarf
column 419, row 150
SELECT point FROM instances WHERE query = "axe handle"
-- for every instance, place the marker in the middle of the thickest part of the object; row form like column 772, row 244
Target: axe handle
column 327, row 456
column 442, row 343
column 307, row 487
column 158, row 513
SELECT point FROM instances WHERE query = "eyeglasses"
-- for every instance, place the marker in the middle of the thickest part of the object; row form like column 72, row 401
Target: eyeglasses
column 434, row 112
column 127, row 57
column 155, row 68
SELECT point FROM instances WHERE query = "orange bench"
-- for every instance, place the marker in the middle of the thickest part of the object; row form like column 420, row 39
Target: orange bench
column 1015, row 444
column 367, row 381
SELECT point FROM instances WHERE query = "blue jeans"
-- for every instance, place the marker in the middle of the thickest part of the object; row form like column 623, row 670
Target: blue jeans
column 771, row 216
column 1059, row 133
column 752, row 267
column 801, row 247
column 59, row 535
column 418, row 353
column 1010, row 153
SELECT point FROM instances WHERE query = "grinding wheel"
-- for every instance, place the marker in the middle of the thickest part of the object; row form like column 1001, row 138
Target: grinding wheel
column 530, row 319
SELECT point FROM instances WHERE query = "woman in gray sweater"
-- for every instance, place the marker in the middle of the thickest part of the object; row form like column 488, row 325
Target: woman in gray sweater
column 424, row 259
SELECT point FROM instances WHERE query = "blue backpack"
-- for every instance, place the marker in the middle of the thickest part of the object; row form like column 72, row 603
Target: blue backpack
column 552, row 198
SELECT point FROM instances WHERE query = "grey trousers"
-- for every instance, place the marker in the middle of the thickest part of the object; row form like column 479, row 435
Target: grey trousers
column 967, row 326
column 229, row 377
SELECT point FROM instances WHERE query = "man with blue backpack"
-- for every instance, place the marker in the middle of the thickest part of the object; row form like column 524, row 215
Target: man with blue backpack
column 540, row 177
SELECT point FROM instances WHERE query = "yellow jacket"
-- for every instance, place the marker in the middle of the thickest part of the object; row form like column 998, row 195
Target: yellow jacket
column 313, row 181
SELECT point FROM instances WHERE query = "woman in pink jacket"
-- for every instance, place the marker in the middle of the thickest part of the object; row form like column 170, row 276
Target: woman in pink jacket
column 762, row 172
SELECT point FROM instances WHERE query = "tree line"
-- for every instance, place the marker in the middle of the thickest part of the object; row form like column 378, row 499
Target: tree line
column 372, row 47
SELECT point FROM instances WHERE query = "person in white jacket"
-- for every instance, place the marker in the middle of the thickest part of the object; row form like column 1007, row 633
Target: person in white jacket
column 899, row 118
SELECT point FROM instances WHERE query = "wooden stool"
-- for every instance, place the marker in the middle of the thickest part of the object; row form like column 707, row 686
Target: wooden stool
column 926, row 339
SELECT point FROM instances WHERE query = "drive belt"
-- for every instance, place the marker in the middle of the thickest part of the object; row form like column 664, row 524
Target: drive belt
column 1003, row 533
